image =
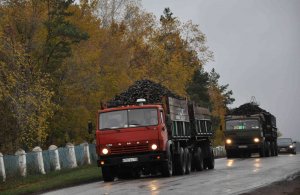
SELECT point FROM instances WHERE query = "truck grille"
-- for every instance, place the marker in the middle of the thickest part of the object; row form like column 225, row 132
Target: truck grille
column 243, row 141
column 129, row 149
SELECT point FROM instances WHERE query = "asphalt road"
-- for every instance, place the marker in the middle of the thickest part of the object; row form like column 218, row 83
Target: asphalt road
column 233, row 176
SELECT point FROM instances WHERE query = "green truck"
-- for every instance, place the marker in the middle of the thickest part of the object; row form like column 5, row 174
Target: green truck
column 250, row 129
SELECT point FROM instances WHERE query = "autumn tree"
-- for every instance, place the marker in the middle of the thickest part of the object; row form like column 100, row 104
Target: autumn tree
column 81, row 54
column 220, row 98
column 25, row 99
column 175, row 56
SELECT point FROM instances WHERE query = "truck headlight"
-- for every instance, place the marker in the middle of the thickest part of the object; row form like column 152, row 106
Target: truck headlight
column 291, row 146
column 256, row 140
column 153, row 146
column 104, row 151
column 228, row 141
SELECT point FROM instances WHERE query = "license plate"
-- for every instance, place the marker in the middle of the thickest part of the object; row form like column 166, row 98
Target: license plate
column 282, row 149
column 243, row 146
column 126, row 160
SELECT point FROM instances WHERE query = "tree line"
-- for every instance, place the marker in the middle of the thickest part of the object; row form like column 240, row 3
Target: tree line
column 59, row 59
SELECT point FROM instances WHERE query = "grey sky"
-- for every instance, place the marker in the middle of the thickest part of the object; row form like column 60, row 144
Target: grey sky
column 256, row 44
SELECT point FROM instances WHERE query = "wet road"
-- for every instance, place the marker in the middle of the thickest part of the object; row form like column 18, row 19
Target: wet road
column 233, row 176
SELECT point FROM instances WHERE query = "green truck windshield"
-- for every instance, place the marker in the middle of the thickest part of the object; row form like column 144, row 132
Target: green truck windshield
column 128, row 118
column 242, row 124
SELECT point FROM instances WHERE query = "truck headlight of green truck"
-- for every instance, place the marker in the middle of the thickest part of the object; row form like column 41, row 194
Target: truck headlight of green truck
column 228, row 141
column 256, row 140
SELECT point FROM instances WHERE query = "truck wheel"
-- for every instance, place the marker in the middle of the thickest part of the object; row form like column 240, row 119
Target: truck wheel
column 276, row 149
column 188, row 161
column 209, row 162
column 272, row 148
column 167, row 167
column 107, row 174
column 181, row 162
column 268, row 149
column 262, row 150
column 198, row 159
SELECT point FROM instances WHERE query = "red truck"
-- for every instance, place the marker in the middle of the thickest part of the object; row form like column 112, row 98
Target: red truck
column 170, row 137
column 160, row 133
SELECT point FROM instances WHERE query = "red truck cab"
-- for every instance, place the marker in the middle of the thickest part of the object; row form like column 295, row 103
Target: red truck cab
column 130, row 139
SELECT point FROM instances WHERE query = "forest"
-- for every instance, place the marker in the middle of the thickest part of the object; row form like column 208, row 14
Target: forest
column 59, row 59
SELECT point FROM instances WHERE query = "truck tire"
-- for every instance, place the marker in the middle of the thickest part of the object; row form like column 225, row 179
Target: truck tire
column 268, row 149
column 107, row 174
column 262, row 150
column 188, row 161
column 276, row 149
column 272, row 148
column 198, row 159
column 167, row 166
column 209, row 162
column 180, row 166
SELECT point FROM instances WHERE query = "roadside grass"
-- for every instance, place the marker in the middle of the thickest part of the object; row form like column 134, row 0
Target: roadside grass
column 34, row 184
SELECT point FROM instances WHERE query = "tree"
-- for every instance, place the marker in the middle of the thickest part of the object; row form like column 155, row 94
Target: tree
column 61, row 35
column 214, row 82
column 173, row 59
column 220, row 98
column 26, row 101
column 197, row 89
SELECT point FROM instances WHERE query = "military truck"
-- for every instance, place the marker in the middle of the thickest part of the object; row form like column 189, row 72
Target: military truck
column 250, row 129
column 158, row 132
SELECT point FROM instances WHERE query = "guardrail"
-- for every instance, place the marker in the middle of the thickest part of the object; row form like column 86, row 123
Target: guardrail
column 54, row 159
column 219, row 151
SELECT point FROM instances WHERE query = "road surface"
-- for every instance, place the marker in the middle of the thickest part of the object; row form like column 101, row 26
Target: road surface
column 230, row 176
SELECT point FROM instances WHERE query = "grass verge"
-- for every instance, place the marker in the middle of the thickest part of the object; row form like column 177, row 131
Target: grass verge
column 34, row 184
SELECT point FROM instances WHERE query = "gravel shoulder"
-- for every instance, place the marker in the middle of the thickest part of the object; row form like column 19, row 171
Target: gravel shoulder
column 290, row 186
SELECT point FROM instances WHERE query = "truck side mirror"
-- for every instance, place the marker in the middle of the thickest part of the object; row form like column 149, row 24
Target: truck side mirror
column 90, row 127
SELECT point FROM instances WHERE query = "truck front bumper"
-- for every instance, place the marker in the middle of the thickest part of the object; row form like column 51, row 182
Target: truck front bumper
column 248, row 147
column 132, row 159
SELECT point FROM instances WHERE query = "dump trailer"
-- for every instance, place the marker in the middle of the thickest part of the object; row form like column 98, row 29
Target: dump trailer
column 148, row 130
column 250, row 129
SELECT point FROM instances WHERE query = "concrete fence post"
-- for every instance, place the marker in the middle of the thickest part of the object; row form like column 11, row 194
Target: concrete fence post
column 71, row 155
column 39, row 159
column 22, row 162
column 2, row 168
column 86, row 153
column 219, row 151
column 54, row 158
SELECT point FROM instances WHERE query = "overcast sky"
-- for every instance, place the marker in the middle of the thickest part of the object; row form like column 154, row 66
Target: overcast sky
column 256, row 44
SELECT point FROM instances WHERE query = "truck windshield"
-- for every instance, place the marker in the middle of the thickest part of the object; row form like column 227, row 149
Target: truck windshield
column 242, row 124
column 128, row 118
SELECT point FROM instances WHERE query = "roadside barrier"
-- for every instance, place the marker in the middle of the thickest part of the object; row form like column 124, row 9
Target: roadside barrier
column 219, row 151
column 54, row 159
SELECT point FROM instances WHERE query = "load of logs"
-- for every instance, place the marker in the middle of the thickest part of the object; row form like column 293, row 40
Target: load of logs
column 149, row 90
